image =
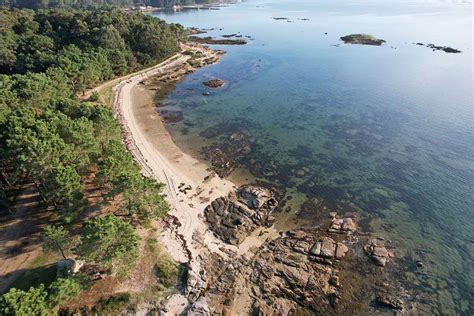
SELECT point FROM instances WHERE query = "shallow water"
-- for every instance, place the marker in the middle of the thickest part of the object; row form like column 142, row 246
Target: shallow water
column 388, row 131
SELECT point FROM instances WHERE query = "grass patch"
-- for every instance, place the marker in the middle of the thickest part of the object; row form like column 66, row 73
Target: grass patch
column 165, row 268
column 113, row 304
column 194, row 62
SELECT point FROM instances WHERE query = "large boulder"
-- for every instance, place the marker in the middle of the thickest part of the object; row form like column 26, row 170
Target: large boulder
column 377, row 252
column 234, row 217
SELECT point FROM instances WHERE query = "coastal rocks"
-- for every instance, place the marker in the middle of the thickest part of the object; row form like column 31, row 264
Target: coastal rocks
column 445, row 49
column 326, row 249
column 362, row 39
column 171, row 116
column 377, row 252
column 212, row 41
column 342, row 225
column 234, row 217
column 281, row 277
column 286, row 271
column 225, row 155
column 390, row 301
column 195, row 31
column 214, row 83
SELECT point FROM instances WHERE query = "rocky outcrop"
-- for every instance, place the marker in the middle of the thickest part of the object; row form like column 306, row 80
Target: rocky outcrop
column 445, row 49
column 212, row 41
column 362, row 39
column 234, row 217
column 342, row 225
column 390, row 301
column 298, row 269
column 377, row 252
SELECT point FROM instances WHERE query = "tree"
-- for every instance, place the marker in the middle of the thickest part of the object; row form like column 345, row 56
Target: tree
column 20, row 303
column 110, row 241
column 56, row 239
column 65, row 289
column 145, row 199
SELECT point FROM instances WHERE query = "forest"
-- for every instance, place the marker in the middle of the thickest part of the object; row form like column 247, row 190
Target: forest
column 41, row 4
column 54, row 139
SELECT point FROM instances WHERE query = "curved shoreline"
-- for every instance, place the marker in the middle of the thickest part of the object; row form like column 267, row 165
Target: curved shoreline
column 186, row 236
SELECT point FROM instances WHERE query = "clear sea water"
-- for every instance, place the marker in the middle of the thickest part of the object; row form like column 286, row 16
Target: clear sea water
column 387, row 130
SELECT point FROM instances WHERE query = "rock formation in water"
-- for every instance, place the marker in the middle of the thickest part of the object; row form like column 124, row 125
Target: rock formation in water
column 362, row 39
column 214, row 83
column 225, row 154
column 377, row 252
column 445, row 49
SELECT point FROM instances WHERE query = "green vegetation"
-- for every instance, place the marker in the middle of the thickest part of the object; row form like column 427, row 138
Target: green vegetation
column 46, row 133
column 48, row 136
column 39, row 301
column 165, row 268
column 24, row 303
column 38, row 4
column 110, row 241
column 57, row 240
column 64, row 289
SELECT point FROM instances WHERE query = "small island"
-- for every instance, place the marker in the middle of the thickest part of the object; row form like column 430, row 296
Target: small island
column 362, row 39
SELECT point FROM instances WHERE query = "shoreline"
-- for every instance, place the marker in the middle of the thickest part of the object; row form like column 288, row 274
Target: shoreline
column 186, row 235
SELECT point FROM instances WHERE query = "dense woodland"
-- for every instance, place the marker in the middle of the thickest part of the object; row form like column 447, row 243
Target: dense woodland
column 38, row 4
column 48, row 58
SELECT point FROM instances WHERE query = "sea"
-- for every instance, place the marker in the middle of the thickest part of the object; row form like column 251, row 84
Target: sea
column 386, row 132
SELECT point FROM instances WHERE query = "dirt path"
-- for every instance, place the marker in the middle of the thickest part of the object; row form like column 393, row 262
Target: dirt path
column 20, row 237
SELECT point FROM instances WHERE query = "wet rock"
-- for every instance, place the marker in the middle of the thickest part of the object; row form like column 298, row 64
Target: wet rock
column 171, row 116
column 214, row 83
column 300, row 173
column 225, row 155
column 390, row 301
column 342, row 225
column 377, row 252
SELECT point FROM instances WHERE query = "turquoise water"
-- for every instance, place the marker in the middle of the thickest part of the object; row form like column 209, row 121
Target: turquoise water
column 387, row 131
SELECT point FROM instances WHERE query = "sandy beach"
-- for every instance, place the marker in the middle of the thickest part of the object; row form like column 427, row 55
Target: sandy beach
column 187, row 237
